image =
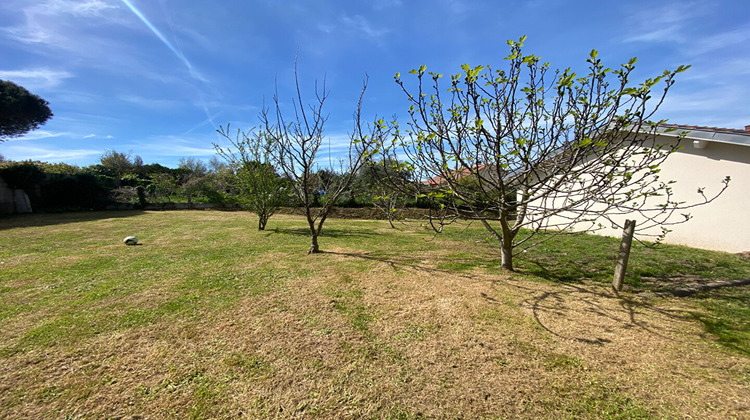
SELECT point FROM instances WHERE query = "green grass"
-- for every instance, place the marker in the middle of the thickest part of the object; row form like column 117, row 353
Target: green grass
column 725, row 314
column 579, row 257
column 381, row 320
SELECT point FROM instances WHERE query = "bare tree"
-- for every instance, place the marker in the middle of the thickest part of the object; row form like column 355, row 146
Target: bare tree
column 256, row 182
column 299, row 139
column 524, row 150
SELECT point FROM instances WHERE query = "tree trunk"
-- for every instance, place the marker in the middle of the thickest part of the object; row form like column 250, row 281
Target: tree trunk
column 390, row 218
column 314, row 248
column 507, row 241
column 507, row 255
column 262, row 220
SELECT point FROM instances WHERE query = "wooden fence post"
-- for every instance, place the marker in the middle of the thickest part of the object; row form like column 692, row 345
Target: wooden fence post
column 623, row 254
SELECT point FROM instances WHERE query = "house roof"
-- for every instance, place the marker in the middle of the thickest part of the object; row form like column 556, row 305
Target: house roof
column 438, row 180
column 712, row 134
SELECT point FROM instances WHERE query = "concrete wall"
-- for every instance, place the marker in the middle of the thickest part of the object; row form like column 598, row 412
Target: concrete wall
column 13, row 200
column 724, row 224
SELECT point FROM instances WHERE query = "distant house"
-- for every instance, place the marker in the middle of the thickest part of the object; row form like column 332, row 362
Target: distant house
column 454, row 174
column 707, row 156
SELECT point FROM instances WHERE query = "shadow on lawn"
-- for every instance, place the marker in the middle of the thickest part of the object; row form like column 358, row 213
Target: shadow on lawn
column 48, row 219
column 603, row 313
column 569, row 271
column 330, row 233
column 399, row 263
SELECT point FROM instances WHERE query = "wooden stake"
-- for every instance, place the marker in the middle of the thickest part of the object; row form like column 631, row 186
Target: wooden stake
column 623, row 255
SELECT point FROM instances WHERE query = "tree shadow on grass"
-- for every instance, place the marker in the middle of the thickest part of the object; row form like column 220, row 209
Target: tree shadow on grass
column 566, row 272
column 399, row 263
column 326, row 233
column 602, row 313
column 724, row 314
column 49, row 219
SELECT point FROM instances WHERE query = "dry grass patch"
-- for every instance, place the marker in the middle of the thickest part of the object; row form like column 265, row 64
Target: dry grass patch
column 243, row 324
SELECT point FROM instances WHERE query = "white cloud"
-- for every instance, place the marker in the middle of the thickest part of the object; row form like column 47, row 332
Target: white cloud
column 76, row 32
column 88, row 136
column 361, row 25
column 82, row 8
column 149, row 102
column 722, row 106
column 458, row 7
column 40, row 134
column 19, row 152
column 325, row 28
column 175, row 146
column 386, row 4
column 39, row 78
column 661, row 24
column 46, row 23
column 727, row 72
column 727, row 39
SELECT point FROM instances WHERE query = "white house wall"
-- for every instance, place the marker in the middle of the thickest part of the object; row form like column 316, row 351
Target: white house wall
column 724, row 224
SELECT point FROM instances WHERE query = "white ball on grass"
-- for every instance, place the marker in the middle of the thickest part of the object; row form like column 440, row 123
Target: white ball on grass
column 130, row 240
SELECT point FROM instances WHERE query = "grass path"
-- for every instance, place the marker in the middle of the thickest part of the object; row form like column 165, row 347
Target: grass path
column 210, row 318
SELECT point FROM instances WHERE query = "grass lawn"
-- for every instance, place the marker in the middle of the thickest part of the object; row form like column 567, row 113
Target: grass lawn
column 210, row 318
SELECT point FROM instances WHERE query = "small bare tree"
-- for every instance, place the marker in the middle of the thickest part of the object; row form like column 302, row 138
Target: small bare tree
column 523, row 150
column 299, row 139
column 256, row 182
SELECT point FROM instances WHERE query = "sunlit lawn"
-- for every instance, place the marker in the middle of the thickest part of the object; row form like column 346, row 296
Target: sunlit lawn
column 210, row 318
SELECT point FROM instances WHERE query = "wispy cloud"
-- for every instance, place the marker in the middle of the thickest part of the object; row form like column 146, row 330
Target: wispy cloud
column 89, row 136
column 24, row 151
column 665, row 23
column 149, row 102
column 46, row 23
column 39, row 78
column 40, row 134
column 178, row 53
column 78, row 7
column 176, row 146
column 717, row 75
column 722, row 40
column 459, row 8
column 209, row 120
column 326, row 28
column 72, row 31
column 386, row 4
column 361, row 25
column 707, row 106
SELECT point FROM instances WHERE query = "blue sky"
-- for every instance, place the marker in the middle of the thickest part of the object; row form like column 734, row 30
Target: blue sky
column 156, row 78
